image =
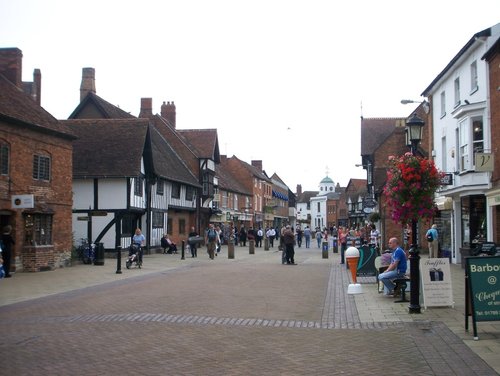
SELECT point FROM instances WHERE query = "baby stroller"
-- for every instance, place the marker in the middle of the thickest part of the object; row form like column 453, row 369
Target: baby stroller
column 134, row 256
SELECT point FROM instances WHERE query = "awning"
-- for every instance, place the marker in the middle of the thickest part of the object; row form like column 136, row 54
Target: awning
column 280, row 195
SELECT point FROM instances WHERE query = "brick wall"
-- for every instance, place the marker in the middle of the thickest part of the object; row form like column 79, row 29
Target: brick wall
column 49, row 197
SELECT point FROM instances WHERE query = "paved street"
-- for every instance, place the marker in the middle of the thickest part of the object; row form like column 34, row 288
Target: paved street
column 247, row 316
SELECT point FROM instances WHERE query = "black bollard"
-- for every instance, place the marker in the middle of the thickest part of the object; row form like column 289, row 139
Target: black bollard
column 182, row 250
column 119, row 260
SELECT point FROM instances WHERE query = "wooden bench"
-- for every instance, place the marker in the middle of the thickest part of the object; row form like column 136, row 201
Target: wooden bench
column 401, row 285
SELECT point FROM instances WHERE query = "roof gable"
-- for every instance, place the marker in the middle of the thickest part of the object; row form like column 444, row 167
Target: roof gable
column 16, row 106
column 204, row 141
column 94, row 107
column 375, row 131
column 108, row 148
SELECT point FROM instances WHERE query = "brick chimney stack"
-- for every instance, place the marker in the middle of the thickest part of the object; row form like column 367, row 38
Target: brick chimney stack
column 146, row 108
column 257, row 164
column 37, row 80
column 88, row 82
column 168, row 112
column 11, row 65
column 299, row 189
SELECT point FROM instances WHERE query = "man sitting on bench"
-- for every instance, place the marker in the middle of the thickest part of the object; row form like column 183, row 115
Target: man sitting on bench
column 397, row 268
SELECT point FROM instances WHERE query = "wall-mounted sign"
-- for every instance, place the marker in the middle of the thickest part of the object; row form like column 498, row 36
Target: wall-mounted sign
column 369, row 203
column 484, row 161
column 23, row 201
column 447, row 179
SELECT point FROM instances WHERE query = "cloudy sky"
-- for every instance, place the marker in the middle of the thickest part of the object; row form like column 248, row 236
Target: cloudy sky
column 283, row 81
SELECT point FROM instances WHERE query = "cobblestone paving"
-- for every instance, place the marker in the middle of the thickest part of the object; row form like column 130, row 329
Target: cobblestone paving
column 208, row 319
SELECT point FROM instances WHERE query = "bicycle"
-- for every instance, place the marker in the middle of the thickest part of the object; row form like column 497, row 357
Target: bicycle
column 85, row 252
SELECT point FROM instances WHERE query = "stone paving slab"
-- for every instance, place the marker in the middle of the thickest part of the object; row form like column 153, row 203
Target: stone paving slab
column 246, row 316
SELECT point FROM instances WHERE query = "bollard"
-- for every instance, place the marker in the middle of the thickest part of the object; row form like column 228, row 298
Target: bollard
column 266, row 244
column 230, row 250
column 325, row 250
column 352, row 256
column 118, row 260
column 183, row 249
column 251, row 247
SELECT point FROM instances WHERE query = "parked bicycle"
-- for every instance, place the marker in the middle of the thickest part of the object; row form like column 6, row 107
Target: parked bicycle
column 85, row 252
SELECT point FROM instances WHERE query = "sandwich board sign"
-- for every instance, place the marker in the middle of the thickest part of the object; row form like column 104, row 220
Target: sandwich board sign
column 482, row 290
column 436, row 282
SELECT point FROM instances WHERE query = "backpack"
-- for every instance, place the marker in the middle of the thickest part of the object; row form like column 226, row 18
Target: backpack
column 211, row 235
column 430, row 238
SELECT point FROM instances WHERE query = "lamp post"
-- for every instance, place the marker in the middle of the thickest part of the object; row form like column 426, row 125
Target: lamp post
column 414, row 126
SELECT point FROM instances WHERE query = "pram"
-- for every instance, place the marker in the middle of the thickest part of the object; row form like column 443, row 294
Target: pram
column 134, row 256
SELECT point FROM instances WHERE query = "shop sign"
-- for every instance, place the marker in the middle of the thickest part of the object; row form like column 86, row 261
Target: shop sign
column 447, row 179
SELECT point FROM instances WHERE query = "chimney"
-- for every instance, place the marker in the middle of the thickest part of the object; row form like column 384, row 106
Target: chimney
column 11, row 65
column 257, row 164
column 88, row 82
column 37, row 81
column 146, row 108
column 168, row 112
column 299, row 189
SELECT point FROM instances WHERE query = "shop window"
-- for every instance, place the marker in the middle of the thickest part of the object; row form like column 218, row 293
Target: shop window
column 38, row 229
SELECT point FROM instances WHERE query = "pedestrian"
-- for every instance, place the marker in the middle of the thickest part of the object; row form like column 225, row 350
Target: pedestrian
column 271, row 233
column 140, row 240
column 211, row 240
column 219, row 239
column 260, row 235
column 243, row 236
column 307, row 236
column 7, row 245
column 299, row 236
column 168, row 245
column 432, row 241
column 374, row 237
column 251, row 234
column 343, row 244
column 192, row 243
column 396, row 269
column 319, row 237
column 289, row 240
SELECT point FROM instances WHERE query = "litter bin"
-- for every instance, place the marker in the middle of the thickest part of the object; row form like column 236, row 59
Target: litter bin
column 99, row 254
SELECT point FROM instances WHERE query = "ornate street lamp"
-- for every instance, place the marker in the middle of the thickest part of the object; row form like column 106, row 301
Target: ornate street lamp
column 415, row 126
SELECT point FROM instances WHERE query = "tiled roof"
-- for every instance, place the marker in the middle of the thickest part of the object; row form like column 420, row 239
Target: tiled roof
column 111, row 148
column 204, row 141
column 16, row 106
column 306, row 196
column 167, row 163
column 227, row 181
column 374, row 131
column 252, row 169
column 106, row 109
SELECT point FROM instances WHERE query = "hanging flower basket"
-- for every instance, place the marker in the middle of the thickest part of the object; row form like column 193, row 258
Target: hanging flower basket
column 411, row 184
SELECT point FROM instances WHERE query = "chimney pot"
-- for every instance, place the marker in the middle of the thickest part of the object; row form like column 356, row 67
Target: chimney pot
column 168, row 112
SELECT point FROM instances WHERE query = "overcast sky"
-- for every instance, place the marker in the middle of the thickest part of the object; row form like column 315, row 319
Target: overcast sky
column 283, row 81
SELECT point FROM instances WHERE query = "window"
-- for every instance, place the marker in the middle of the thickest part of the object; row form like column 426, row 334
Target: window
column 160, row 187
column 443, row 104
column 457, row 91
column 4, row 159
column 189, row 193
column 477, row 137
column 443, row 155
column 169, row 226
column 138, row 186
column 464, row 146
column 224, row 199
column 158, row 219
column 128, row 225
column 471, row 141
column 182, row 226
column 319, row 206
column 41, row 167
column 176, row 190
column 38, row 229
column 473, row 77
column 235, row 201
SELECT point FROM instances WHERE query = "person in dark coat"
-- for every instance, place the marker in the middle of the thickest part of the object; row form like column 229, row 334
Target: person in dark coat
column 7, row 243
column 243, row 237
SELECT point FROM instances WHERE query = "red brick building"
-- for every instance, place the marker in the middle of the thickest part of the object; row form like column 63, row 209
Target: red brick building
column 36, row 171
